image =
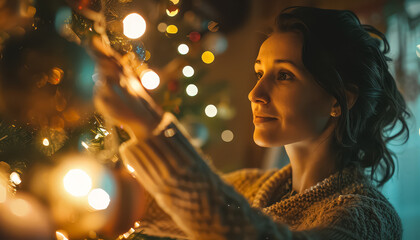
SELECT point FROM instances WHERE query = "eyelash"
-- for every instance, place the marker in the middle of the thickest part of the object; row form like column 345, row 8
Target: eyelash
column 291, row 76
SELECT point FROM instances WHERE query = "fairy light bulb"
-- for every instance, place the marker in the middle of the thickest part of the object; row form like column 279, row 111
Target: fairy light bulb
column 227, row 136
column 45, row 142
column 134, row 26
column 207, row 57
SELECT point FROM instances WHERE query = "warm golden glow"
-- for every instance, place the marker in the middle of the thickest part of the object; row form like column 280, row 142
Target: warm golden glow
column 99, row 199
column 19, row 207
column 130, row 168
column 45, row 142
column 77, row 182
column 15, row 178
column 134, row 26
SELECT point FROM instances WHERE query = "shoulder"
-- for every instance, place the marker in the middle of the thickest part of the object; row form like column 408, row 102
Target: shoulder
column 367, row 215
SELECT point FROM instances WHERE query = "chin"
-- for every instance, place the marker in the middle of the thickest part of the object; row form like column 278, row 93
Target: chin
column 265, row 141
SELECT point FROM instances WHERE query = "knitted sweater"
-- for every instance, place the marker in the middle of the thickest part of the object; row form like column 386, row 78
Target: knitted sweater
column 188, row 200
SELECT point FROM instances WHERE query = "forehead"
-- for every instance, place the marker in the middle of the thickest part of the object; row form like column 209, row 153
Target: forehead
column 284, row 46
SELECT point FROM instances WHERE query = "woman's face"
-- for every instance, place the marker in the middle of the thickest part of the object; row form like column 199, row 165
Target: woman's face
column 288, row 105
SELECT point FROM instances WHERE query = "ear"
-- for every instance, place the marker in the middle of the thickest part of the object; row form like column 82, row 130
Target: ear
column 352, row 93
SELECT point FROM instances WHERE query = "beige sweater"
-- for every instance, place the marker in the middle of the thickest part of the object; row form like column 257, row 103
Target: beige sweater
column 188, row 200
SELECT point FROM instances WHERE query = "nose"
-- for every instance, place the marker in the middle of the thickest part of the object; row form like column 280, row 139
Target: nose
column 259, row 93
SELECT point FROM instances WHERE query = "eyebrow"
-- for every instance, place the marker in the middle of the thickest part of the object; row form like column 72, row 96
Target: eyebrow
column 278, row 61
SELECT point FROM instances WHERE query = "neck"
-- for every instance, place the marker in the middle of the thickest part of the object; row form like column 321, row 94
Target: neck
column 311, row 161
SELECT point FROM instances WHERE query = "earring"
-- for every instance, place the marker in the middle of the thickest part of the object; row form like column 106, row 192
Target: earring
column 334, row 114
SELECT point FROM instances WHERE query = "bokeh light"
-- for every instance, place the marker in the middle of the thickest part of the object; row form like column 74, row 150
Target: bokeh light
column 45, row 142
column 172, row 29
column 192, row 90
column 188, row 71
column 210, row 110
column 77, row 182
column 150, row 79
column 194, row 36
column 19, row 207
column 130, row 168
column 134, row 26
column 99, row 199
column 172, row 12
column 61, row 235
column 183, row 48
column 227, row 135
column 207, row 57
column 175, row 1
column 162, row 27
column 15, row 178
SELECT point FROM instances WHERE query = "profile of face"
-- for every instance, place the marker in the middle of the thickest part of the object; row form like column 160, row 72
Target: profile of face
column 288, row 105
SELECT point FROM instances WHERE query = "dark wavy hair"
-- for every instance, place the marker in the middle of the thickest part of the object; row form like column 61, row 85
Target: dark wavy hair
column 344, row 55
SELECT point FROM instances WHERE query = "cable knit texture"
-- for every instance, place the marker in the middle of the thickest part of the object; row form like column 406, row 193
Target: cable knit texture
column 188, row 200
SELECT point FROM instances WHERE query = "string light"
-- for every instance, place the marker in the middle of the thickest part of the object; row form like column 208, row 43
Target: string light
column 188, row 71
column 99, row 199
column 134, row 26
column 77, row 182
column 183, row 48
column 172, row 29
column 210, row 110
column 192, row 90
column 150, row 79
column 207, row 57
column 130, row 168
column 227, row 135
column 45, row 142
column 15, row 178
column 61, row 235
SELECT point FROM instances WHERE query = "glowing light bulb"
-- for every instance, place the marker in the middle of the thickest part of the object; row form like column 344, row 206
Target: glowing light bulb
column 150, row 79
column 99, row 199
column 77, row 182
column 192, row 90
column 183, row 49
column 207, row 57
column 172, row 29
column 134, row 26
column 15, row 178
column 211, row 110
column 85, row 145
column 45, row 142
column 61, row 236
column 130, row 168
column 227, row 135
column 188, row 71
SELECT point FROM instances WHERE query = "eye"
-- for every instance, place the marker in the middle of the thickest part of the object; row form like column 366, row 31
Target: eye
column 259, row 75
column 282, row 75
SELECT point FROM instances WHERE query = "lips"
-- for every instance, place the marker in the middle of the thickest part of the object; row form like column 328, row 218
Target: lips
column 261, row 119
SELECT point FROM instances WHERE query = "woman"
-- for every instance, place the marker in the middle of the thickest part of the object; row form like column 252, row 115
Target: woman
column 324, row 91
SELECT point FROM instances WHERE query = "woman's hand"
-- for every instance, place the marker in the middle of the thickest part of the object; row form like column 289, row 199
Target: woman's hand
column 119, row 96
